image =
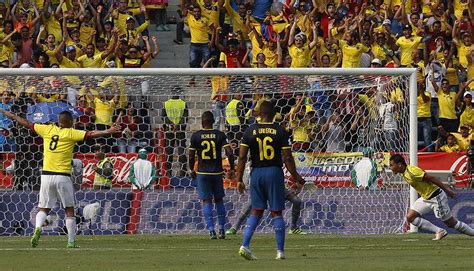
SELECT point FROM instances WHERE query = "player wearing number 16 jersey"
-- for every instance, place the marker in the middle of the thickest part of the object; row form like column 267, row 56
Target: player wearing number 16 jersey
column 207, row 144
column 269, row 145
column 58, row 146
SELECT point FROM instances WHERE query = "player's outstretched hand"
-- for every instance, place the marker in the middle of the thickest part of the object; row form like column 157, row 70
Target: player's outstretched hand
column 115, row 128
column 451, row 193
column 241, row 187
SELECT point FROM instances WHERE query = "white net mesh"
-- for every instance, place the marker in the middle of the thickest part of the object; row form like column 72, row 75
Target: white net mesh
column 335, row 122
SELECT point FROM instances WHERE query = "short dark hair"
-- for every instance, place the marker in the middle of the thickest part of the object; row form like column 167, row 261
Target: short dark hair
column 207, row 117
column 267, row 109
column 65, row 114
column 397, row 158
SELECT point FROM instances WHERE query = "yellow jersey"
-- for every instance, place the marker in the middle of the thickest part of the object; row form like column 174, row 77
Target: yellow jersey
column 463, row 142
column 211, row 13
column 414, row 176
column 300, row 57
column 255, row 45
column 351, row 54
column 449, row 149
column 424, row 108
column 95, row 61
column 447, row 105
column 463, row 51
column 51, row 54
column 467, row 117
column 198, row 28
column 459, row 7
column 104, row 111
column 58, row 145
column 407, row 46
column 271, row 57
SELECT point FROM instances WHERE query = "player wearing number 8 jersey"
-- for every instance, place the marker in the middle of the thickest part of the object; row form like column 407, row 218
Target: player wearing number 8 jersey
column 208, row 144
column 58, row 144
column 269, row 145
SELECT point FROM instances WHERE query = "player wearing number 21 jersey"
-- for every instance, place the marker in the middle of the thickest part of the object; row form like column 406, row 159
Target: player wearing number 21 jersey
column 58, row 146
column 269, row 146
column 207, row 144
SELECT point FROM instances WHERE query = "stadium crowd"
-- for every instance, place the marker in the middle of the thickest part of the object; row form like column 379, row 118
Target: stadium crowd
column 433, row 36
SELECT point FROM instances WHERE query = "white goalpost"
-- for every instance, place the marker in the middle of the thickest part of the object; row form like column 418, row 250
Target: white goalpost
column 337, row 118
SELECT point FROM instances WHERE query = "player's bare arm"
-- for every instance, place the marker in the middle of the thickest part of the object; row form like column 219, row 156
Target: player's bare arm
column 20, row 120
column 436, row 181
column 243, row 151
column 230, row 156
column 115, row 128
column 191, row 162
column 291, row 167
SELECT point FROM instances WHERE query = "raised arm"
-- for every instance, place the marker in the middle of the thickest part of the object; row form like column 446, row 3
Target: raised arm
column 111, row 48
column 38, row 38
column 217, row 42
column 115, row 128
column 23, row 122
column 292, row 33
column 315, row 36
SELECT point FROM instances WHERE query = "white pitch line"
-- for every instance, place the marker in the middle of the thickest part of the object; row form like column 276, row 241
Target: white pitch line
column 212, row 249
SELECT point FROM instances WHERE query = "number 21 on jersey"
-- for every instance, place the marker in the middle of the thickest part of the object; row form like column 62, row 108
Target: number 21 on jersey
column 209, row 148
column 265, row 149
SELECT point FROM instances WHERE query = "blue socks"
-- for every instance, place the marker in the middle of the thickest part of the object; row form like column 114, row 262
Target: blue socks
column 207, row 211
column 279, row 227
column 252, row 223
column 220, row 208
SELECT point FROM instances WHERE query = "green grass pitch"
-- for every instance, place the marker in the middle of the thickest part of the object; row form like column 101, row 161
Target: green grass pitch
column 197, row 252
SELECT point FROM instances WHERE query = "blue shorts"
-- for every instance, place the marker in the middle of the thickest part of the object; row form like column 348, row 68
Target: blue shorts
column 267, row 187
column 210, row 186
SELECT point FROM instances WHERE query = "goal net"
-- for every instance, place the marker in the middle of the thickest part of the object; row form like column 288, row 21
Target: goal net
column 343, row 129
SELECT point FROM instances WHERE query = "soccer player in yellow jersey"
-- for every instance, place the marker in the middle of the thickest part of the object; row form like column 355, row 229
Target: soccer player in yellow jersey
column 433, row 194
column 58, row 144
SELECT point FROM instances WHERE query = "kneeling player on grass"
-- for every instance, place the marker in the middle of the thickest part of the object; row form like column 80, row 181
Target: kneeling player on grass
column 268, row 142
column 208, row 144
column 433, row 197
column 291, row 196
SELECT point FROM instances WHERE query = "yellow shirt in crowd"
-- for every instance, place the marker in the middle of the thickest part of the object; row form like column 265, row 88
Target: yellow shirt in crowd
column 351, row 54
column 407, row 46
column 447, row 105
column 199, row 29
column 104, row 111
column 424, row 108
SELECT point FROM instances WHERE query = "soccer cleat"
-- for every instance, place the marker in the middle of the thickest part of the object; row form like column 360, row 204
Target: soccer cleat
column 246, row 254
column 297, row 231
column 72, row 245
column 221, row 234
column 280, row 255
column 440, row 235
column 35, row 238
column 231, row 231
column 213, row 234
